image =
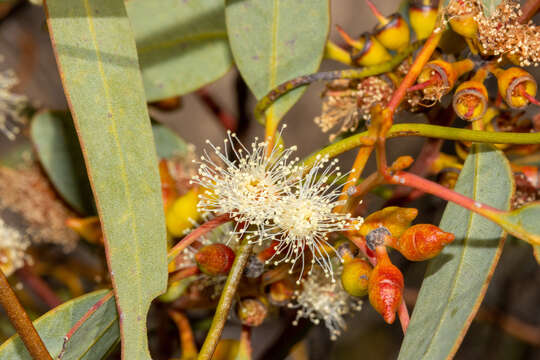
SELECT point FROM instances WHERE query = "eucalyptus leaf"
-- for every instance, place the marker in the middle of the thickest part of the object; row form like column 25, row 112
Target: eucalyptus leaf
column 275, row 41
column 59, row 152
column 54, row 325
column 97, row 58
column 457, row 279
column 182, row 45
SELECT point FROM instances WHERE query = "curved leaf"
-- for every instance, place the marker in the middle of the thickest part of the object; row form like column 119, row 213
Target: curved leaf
column 168, row 144
column 53, row 326
column 97, row 58
column 456, row 280
column 182, row 45
column 276, row 40
column 59, row 152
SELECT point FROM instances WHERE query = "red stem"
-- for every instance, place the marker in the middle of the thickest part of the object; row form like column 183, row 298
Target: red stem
column 417, row 182
column 423, row 85
column 184, row 273
column 195, row 234
column 228, row 121
column 528, row 96
column 38, row 286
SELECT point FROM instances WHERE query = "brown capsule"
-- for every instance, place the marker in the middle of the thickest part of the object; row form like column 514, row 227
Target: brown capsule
column 215, row 259
column 355, row 277
column 422, row 242
column 385, row 286
column 251, row 312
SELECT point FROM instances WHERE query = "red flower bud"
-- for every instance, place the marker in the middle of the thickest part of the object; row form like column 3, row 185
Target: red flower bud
column 385, row 286
column 215, row 259
column 422, row 242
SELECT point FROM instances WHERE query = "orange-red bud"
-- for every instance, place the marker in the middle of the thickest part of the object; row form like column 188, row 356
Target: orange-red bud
column 168, row 104
column 385, row 286
column 355, row 277
column 395, row 219
column 88, row 228
column 215, row 259
column 422, row 242
column 516, row 86
column 281, row 292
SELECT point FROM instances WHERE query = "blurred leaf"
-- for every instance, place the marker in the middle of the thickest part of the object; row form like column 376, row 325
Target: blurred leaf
column 275, row 41
column 182, row 45
column 53, row 326
column 168, row 144
column 59, row 152
column 536, row 252
column 95, row 334
column 490, row 6
column 97, row 59
column 456, row 280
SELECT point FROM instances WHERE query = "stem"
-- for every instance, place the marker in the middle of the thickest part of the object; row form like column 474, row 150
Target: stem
column 245, row 349
column 431, row 131
column 356, row 171
column 187, row 341
column 423, row 57
column 300, row 81
column 195, row 234
column 227, row 120
column 184, row 273
column 529, row 9
column 38, row 286
column 225, row 301
column 21, row 322
column 417, row 182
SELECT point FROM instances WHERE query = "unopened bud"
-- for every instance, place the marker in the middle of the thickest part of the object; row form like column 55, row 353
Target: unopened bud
column 355, row 277
column 422, row 242
column 215, row 259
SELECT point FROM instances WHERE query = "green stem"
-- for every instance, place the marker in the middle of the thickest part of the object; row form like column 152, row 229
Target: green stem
column 225, row 301
column 431, row 131
column 292, row 84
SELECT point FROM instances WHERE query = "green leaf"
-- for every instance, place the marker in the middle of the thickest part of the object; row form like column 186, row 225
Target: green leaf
column 523, row 223
column 94, row 334
column 97, row 59
column 60, row 155
column 276, row 40
column 168, row 144
column 182, row 45
column 489, row 6
column 54, row 325
column 457, row 279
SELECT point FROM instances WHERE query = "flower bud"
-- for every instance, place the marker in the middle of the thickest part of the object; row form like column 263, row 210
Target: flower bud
column 392, row 32
column 385, row 286
column 182, row 213
column 169, row 104
column 465, row 25
column 367, row 50
column 355, row 277
column 470, row 100
column 168, row 185
column 423, row 17
column 251, row 312
column 88, row 228
column 516, row 86
column 281, row 292
column 422, row 242
column 215, row 259
column 395, row 219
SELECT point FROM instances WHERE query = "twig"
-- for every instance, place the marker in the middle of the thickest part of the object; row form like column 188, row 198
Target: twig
column 529, row 9
column 187, row 341
column 227, row 120
column 195, row 234
column 225, row 301
column 21, row 322
column 38, row 286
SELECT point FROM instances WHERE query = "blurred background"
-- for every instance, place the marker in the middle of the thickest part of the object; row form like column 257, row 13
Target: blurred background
column 513, row 298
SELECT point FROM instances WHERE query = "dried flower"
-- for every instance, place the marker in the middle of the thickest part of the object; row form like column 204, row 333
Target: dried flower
column 304, row 218
column 322, row 300
column 13, row 245
column 248, row 187
column 11, row 105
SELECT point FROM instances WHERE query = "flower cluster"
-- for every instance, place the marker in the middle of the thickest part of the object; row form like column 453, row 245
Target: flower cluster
column 11, row 105
column 321, row 300
column 271, row 197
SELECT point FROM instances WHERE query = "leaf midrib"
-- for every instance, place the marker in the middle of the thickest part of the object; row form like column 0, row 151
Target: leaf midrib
column 461, row 262
column 123, row 174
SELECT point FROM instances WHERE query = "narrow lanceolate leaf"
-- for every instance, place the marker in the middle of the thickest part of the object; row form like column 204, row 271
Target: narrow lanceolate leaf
column 182, row 45
column 97, row 58
column 92, row 337
column 457, row 279
column 59, row 152
column 276, row 40
column 53, row 327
